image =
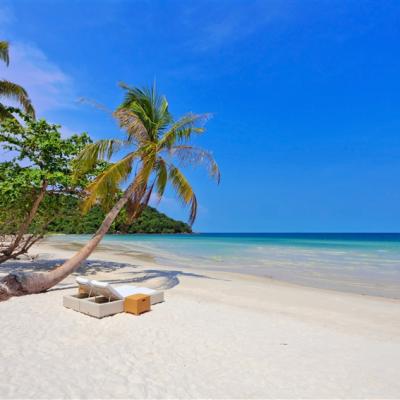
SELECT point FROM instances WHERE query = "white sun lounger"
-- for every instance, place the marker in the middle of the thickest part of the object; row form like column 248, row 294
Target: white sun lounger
column 120, row 292
column 85, row 285
column 85, row 291
column 100, row 299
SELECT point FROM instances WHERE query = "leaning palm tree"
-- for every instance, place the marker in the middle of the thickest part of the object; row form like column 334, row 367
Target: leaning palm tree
column 10, row 90
column 157, row 147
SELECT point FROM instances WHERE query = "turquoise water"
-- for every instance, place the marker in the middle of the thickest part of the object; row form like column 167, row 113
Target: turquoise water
column 359, row 263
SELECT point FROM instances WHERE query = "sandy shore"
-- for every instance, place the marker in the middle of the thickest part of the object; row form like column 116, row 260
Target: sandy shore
column 218, row 335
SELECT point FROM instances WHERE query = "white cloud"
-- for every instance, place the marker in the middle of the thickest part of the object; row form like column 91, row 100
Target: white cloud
column 47, row 85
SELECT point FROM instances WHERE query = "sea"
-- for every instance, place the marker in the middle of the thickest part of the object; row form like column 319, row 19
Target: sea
column 362, row 263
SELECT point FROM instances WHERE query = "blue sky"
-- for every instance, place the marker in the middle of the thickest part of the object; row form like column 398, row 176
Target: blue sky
column 305, row 97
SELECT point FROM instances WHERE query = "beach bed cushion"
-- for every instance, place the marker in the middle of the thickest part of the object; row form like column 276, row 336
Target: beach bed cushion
column 85, row 285
column 120, row 292
column 107, row 290
column 156, row 296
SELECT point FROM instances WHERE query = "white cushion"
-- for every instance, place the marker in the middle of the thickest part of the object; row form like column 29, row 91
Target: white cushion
column 120, row 292
column 107, row 290
column 155, row 296
column 104, row 289
column 82, row 281
column 84, row 284
column 125, row 290
column 100, row 284
column 145, row 290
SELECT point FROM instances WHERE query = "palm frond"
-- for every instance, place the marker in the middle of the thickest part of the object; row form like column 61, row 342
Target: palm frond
column 133, row 205
column 190, row 156
column 17, row 93
column 183, row 129
column 164, row 118
column 138, row 201
column 106, row 185
column 140, row 103
column 184, row 191
column 147, row 196
column 94, row 152
column 4, row 113
column 139, row 187
column 161, row 177
column 149, row 107
column 4, row 55
column 133, row 125
column 142, row 177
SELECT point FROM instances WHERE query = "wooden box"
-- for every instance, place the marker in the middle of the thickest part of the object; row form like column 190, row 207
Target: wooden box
column 137, row 304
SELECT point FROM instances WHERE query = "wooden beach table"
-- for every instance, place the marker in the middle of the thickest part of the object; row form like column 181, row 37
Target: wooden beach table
column 137, row 304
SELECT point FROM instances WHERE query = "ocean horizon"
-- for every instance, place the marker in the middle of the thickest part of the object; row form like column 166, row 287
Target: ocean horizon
column 362, row 263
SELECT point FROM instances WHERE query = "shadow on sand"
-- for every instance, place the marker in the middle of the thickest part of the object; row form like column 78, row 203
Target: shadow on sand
column 164, row 279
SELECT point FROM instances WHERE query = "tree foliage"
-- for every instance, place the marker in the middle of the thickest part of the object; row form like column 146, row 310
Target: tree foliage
column 34, row 179
column 10, row 90
column 71, row 221
column 157, row 148
column 38, row 148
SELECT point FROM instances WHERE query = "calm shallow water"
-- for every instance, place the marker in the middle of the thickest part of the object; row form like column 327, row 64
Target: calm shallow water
column 360, row 263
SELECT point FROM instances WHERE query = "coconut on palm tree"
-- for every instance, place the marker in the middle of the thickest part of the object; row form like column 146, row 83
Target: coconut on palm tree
column 158, row 146
column 10, row 90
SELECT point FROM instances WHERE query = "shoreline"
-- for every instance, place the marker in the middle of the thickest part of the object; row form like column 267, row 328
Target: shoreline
column 140, row 252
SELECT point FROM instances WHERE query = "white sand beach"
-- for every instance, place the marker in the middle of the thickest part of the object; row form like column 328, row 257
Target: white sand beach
column 217, row 335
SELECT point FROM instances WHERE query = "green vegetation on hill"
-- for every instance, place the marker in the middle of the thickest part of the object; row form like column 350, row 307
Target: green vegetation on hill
column 150, row 221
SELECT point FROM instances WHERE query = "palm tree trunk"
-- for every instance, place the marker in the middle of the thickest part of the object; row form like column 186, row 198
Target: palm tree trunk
column 25, row 225
column 19, row 284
